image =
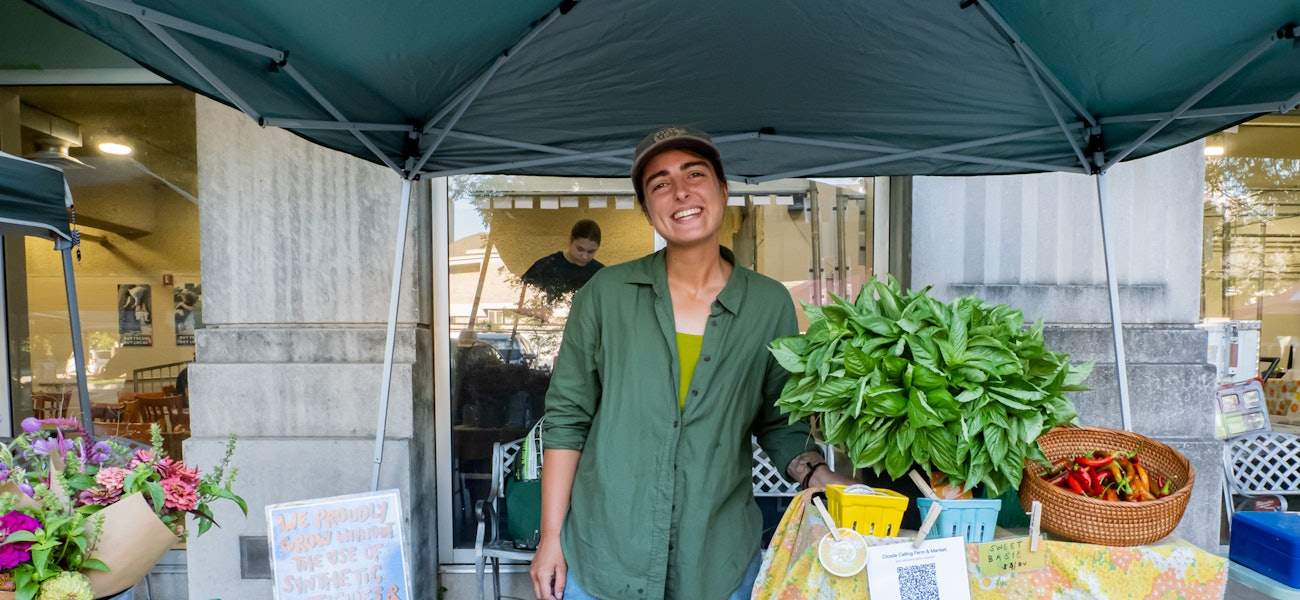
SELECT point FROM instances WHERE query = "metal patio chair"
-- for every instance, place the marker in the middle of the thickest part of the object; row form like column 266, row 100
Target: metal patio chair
column 1260, row 464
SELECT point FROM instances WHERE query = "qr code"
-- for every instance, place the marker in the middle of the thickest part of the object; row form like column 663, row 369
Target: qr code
column 918, row 582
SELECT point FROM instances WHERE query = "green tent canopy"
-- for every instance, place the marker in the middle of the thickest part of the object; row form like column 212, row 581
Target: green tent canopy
column 791, row 88
column 788, row 88
column 35, row 201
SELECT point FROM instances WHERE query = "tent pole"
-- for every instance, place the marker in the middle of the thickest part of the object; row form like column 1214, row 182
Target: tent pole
column 394, row 296
column 74, row 321
column 1116, row 322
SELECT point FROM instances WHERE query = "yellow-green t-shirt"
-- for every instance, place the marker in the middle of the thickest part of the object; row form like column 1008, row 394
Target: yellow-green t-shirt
column 688, row 353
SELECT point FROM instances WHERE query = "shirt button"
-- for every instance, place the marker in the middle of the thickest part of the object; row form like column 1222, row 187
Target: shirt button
column 706, row 359
column 714, row 323
column 695, row 392
column 674, row 424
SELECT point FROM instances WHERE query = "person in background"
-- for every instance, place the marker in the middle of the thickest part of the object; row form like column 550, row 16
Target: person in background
column 663, row 376
column 562, row 273
column 183, row 385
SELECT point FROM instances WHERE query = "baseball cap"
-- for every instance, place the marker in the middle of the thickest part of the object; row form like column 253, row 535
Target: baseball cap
column 673, row 138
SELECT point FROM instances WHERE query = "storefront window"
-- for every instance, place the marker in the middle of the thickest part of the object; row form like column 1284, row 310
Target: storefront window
column 138, row 286
column 815, row 236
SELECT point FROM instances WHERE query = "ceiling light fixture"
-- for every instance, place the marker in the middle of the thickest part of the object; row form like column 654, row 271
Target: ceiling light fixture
column 1213, row 150
column 114, row 148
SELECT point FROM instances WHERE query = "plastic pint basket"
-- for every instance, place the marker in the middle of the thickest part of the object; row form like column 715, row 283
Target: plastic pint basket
column 974, row 520
column 869, row 511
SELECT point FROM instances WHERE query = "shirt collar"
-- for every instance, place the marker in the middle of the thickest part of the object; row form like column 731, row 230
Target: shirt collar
column 654, row 271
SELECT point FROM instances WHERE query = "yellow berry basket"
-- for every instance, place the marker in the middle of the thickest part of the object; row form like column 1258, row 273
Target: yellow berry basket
column 1108, row 522
column 870, row 511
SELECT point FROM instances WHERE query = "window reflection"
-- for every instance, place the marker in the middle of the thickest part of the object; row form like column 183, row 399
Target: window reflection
column 137, row 277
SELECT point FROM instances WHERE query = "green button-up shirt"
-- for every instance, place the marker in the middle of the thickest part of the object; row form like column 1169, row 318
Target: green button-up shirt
column 662, row 504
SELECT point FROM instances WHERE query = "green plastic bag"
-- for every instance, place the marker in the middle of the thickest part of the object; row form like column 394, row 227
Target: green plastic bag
column 524, row 511
column 524, row 492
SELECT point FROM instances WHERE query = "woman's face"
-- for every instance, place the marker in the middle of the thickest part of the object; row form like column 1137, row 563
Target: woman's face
column 581, row 251
column 684, row 199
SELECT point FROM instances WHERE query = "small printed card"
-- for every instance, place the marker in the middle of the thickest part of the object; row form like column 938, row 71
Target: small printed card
column 935, row 571
column 1011, row 556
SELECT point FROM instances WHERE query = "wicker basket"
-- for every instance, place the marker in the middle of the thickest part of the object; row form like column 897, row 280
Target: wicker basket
column 1103, row 521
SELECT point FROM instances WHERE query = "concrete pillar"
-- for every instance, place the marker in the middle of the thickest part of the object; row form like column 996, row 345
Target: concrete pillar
column 1034, row 242
column 297, row 247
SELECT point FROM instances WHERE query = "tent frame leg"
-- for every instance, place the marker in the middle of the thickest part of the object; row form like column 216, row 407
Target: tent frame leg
column 74, row 322
column 1116, row 322
column 399, row 254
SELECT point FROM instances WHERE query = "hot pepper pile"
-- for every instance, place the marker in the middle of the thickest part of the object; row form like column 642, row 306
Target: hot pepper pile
column 1118, row 476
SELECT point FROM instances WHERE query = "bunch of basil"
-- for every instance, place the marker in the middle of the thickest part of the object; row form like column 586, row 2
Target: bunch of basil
column 897, row 379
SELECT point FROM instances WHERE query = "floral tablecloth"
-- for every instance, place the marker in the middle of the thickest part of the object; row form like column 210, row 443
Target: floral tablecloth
column 1172, row 568
column 1283, row 398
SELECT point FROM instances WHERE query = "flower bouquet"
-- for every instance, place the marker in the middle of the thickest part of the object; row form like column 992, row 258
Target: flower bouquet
column 83, row 519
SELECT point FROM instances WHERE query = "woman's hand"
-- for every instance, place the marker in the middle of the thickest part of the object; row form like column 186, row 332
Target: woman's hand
column 823, row 476
column 549, row 570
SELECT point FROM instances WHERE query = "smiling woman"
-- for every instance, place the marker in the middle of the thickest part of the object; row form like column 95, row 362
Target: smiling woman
column 502, row 357
column 661, row 381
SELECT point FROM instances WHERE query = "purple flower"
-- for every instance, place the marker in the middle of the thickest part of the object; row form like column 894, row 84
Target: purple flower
column 27, row 489
column 99, row 453
column 52, row 445
column 11, row 555
column 31, row 425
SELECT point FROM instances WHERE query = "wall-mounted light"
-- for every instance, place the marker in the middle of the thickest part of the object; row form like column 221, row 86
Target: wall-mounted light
column 1213, row 150
column 114, row 148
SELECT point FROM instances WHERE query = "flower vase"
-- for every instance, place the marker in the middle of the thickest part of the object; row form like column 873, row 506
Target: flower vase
column 132, row 540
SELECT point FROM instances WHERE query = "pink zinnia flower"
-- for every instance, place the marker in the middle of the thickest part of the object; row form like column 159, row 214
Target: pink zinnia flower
column 141, row 457
column 179, row 495
column 112, row 478
column 99, row 495
column 168, row 467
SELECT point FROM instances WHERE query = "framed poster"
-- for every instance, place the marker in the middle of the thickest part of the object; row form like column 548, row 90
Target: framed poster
column 188, row 302
column 135, row 314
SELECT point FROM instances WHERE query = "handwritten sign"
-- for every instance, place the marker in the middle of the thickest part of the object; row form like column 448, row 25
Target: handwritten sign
column 1010, row 556
column 340, row 548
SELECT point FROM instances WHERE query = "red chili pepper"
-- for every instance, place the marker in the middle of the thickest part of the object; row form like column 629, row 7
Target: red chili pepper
column 1059, row 478
column 1134, row 459
column 1093, row 462
column 1086, row 478
column 1073, row 481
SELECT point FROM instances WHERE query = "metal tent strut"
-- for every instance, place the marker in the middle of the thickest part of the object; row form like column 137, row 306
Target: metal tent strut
column 1254, row 53
column 399, row 253
column 154, row 21
column 74, row 321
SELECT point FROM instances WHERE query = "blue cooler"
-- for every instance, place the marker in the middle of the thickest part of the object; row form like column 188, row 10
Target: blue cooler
column 1268, row 543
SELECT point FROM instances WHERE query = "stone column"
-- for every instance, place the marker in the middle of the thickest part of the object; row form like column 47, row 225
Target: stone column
column 297, row 249
column 1034, row 242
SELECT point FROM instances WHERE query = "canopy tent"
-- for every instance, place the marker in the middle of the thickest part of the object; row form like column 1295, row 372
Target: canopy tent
column 814, row 87
column 35, row 201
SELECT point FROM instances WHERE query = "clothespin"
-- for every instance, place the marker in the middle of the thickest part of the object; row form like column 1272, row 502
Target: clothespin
column 930, row 518
column 922, row 485
column 1035, row 519
column 826, row 517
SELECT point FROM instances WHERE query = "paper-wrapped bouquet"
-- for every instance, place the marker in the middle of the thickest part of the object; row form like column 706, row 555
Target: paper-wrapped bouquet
column 83, row 519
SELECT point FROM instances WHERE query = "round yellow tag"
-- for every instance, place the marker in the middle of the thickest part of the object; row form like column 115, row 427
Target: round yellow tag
column 845, row 557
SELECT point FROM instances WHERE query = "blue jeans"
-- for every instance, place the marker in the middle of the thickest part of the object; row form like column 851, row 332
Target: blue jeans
column 742, row 592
